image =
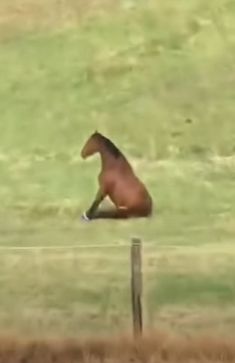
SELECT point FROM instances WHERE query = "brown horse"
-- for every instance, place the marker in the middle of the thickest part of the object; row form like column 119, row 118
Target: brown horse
column 117, row 181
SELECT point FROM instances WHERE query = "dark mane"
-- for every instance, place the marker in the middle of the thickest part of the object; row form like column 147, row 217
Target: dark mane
column 110, row 145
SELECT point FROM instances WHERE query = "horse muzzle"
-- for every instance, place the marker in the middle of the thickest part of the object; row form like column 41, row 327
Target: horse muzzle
column 83, row 155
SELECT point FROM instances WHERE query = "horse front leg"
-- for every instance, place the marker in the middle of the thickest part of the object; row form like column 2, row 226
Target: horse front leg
column 90, row 212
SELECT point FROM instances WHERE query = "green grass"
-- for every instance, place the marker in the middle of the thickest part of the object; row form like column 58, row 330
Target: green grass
column 158, row 79
column 143, row 71
column 82, row 291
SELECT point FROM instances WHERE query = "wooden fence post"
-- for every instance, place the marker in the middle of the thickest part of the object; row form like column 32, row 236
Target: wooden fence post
column 136, row 286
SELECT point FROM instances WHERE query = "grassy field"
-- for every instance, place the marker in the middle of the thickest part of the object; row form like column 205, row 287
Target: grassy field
column 158, row 78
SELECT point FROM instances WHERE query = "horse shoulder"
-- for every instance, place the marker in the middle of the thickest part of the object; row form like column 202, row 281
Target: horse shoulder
column 105, row 178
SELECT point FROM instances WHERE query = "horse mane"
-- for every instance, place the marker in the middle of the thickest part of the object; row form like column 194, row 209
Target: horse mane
column 109, row 145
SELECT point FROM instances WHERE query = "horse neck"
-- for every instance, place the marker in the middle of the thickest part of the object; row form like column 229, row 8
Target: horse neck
column 107, row 160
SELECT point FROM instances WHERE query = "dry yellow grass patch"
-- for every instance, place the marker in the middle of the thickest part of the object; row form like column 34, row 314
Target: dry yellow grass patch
column 152, row 348
column 53, row 14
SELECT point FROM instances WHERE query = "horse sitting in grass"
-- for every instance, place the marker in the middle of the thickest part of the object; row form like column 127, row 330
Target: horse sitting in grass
column 117, row 181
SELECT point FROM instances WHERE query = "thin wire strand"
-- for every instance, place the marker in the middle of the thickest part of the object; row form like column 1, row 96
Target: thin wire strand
column 158, row 250
column 69, row 247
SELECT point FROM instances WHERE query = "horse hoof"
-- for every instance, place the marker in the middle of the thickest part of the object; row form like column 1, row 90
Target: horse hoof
column 84, row 217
